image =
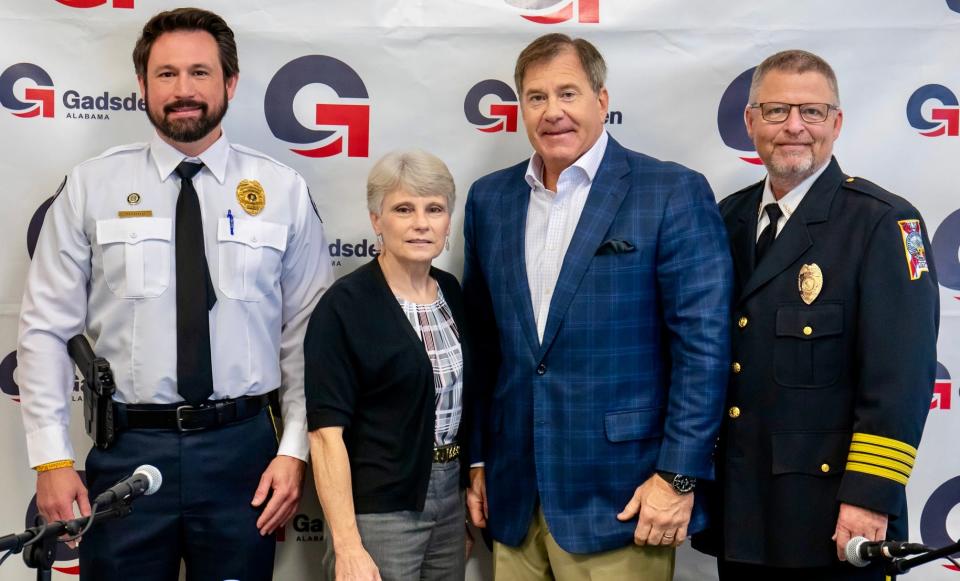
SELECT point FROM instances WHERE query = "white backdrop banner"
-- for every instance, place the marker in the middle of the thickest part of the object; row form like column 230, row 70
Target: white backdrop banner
column 327, row 87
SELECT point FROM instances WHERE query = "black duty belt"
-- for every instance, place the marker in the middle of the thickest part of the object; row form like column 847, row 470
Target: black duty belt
column 446, row 453
column 186, row 418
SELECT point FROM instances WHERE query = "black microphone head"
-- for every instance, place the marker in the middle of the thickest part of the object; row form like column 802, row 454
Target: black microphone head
column 853, row 552
column 154, row 479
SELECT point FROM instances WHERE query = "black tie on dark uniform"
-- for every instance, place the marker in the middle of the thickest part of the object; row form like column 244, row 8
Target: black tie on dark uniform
column 769, row 233
column 195, row 294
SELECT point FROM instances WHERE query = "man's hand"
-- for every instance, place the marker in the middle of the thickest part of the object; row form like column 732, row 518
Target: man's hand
column 284, row 476
column 477, row 498
column 355, row 565
column 664, row 514
column 855, row 521
column 57, row 490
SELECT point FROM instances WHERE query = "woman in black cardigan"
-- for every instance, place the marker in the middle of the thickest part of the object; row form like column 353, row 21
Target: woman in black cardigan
column 387, row 368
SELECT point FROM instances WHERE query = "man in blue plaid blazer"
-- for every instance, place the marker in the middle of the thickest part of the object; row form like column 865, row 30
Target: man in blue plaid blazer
column 598, row 283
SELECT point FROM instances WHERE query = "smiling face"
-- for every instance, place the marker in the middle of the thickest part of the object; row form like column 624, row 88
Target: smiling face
column 414, row 228
column 185, row 91
column 562, row 114
column 793, row 149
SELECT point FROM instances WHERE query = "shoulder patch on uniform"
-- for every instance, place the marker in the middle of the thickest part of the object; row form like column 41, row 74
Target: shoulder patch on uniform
column 913, row 249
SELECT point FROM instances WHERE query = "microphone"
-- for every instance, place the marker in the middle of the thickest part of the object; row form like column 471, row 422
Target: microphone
column 145, row 481
column 860, row 551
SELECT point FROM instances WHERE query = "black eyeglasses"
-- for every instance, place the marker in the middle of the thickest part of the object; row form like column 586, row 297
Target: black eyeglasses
column 809, row 112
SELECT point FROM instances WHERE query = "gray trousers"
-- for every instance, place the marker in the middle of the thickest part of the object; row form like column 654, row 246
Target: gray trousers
column 418, row 546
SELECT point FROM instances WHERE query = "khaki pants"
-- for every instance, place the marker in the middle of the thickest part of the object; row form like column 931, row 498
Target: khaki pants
column 540, row 558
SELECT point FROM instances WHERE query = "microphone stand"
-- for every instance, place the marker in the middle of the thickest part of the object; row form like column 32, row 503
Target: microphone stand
column 904, row 564
column 39, row 543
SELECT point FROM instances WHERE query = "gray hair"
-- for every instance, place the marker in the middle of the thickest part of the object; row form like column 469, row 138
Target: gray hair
column 794, row 61
column 414, row 171
column 549, row 46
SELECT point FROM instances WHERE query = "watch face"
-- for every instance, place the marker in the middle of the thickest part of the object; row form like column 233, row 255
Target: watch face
column 684, row 484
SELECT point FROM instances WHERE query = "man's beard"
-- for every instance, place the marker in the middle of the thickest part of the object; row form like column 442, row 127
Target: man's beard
column 794, row 168
column 187, row 130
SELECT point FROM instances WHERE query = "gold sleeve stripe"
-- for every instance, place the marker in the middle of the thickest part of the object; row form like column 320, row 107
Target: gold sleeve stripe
column 883, row 452
column 862, row 438
column 875, row 471
column 877, row 461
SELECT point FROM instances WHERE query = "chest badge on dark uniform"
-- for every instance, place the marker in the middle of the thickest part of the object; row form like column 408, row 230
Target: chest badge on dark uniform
column 810, row 282
column 133, row 199
column 251, row 196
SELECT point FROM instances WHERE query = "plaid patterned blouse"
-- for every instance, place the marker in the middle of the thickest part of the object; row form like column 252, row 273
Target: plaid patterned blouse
column 435, row 325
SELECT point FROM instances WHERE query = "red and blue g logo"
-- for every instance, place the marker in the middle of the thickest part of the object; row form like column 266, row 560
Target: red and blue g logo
column 733, row 132
column 38, row 100
column 946, row 252
column 503, row 111
column 555, row 12
column 95, row 3
column 934, row 519
column 941, row 119
column 350, row 117
column 942, row 389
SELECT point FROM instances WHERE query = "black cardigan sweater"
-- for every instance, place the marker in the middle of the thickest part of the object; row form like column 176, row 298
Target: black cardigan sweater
column 368, row 371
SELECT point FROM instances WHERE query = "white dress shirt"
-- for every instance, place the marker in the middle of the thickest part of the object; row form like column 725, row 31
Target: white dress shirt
column 788, row 203
column 552, row 219
column 115, row 277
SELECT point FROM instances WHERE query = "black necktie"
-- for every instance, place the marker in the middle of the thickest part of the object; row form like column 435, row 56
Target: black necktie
column 769, row 233
column 195, row 294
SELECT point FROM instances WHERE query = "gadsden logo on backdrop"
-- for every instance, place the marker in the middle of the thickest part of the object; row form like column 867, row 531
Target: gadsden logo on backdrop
column 318, row 102
column 730, row 118
column 492, row 107
column 935, row 520
column 942, row 390
column 934, row 111
column 557, row 11
column 28, row 91
column 95, row 3
column 946, row 252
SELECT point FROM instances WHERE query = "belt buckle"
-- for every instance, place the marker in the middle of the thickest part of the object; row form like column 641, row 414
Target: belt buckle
column 179, row 416
column 446, row 453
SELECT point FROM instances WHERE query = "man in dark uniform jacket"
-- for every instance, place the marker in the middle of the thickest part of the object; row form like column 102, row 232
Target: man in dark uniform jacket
column 834, row 345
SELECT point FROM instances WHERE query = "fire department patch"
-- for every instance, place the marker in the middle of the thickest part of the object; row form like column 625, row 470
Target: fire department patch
column 913, row 248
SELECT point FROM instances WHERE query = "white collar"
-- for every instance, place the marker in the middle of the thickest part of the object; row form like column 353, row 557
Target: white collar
column 788, row 203
column 166, row 157
column 588, row 163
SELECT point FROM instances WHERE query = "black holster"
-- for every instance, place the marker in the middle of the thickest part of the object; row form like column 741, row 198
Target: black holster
column 98, row 389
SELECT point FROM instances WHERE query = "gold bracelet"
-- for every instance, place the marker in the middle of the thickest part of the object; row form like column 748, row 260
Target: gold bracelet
column 53, row 465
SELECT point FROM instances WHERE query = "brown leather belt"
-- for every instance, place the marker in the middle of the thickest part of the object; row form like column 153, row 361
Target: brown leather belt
column 446, row 453
column 186, row 418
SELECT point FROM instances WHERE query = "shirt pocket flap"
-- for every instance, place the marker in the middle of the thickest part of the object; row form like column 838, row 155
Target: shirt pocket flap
column 638, row 424
column 133, row 230
column 812, row 453
column 253, row 233
column 810, row 322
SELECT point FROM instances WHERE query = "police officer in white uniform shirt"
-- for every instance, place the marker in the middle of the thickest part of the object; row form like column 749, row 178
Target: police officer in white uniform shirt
column 193, row 265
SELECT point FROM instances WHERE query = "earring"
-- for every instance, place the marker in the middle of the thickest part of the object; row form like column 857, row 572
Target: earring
column 447, row 243
column 380, row 241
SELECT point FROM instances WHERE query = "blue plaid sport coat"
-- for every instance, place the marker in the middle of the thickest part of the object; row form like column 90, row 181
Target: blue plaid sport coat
column 632, row 371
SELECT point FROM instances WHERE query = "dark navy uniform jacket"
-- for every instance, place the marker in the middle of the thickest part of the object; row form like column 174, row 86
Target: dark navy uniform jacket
column 827, row 400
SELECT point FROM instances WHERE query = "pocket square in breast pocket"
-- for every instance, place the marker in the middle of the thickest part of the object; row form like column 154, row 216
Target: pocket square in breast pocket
column 614, row 246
